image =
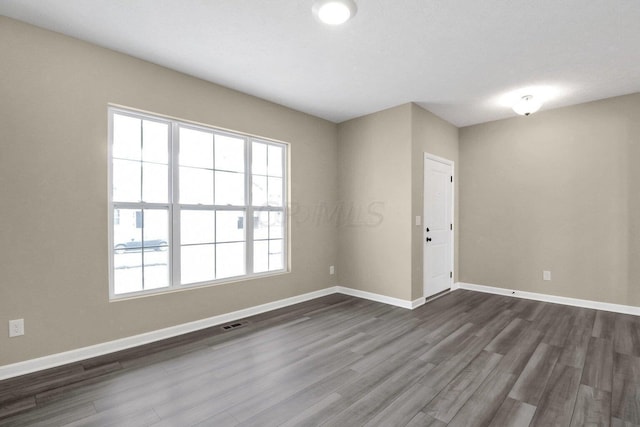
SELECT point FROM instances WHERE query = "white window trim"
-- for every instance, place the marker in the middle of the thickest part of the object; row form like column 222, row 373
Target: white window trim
column 174, row 207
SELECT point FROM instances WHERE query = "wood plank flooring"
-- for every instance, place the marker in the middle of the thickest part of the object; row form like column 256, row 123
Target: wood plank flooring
column 465, row 359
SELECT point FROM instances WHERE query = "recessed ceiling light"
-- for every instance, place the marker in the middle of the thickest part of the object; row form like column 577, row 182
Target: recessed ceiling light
column 334, row 12
column 527, row 105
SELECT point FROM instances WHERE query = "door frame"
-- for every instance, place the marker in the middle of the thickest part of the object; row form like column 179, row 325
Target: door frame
column 433, row 157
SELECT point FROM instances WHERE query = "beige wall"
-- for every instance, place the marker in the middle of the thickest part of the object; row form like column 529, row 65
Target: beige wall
column 380, row 160
column 374, row 172
column 430, row 134
column 557, row 191
column 631, row 105
column 54, row 92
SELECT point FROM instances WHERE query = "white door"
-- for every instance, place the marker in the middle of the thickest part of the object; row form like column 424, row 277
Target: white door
column 437, row 225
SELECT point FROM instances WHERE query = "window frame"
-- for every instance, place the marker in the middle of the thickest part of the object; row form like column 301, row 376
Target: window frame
column 174, row 208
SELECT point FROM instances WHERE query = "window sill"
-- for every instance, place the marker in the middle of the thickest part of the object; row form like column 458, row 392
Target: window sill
column 194, row 286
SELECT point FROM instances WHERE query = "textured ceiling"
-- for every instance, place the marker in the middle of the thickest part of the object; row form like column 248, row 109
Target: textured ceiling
column 464, row 60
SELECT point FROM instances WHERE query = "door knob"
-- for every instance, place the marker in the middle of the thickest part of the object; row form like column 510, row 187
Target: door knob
column 427, row 229
column 428, row 239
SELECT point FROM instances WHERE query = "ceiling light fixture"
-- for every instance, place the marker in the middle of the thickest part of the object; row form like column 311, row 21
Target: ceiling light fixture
column 334, row 12
column 527, row 105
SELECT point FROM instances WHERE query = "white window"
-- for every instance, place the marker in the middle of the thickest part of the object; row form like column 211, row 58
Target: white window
column 192, row 205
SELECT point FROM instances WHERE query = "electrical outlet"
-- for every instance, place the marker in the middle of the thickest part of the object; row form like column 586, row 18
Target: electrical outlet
column 332, row 270
column 16, row 328
column 546, row 275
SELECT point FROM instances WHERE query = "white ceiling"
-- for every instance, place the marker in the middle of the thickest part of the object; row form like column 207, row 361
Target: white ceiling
column 464, row 60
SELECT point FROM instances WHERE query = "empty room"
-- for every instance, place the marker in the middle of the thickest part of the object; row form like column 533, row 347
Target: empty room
column 319, row 213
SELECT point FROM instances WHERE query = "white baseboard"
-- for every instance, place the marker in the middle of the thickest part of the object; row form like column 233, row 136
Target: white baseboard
column 605, row 306
column 59, row 359
column 380, row 298
column 418, row 302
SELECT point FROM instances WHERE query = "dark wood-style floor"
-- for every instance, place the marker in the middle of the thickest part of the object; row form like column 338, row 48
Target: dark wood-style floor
column 466, row 359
